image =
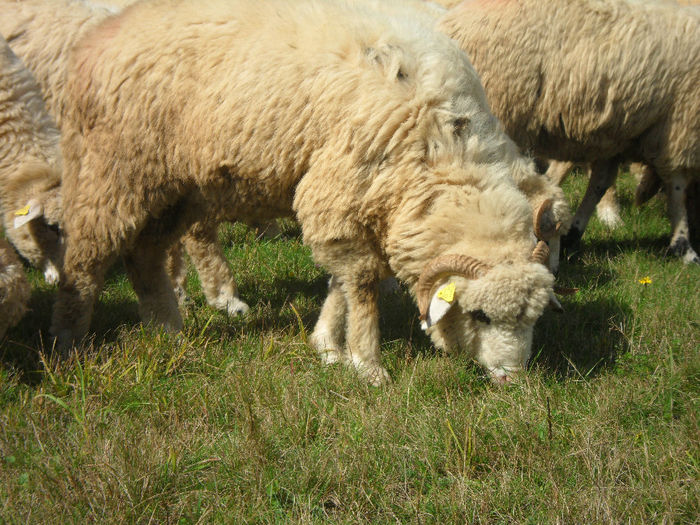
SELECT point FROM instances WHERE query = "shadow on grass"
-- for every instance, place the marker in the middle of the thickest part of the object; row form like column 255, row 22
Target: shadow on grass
column 23, row 343
column 611, row 247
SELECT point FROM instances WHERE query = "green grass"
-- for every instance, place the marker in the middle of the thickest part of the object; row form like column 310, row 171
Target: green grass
column 237, row 421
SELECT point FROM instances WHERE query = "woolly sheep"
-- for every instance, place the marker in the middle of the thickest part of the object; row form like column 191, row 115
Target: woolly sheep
column 373, row 130
column 30, row 163
column 44, row 38
column 624, row 89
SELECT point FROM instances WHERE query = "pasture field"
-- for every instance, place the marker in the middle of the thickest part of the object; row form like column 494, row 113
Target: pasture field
column 237, row 421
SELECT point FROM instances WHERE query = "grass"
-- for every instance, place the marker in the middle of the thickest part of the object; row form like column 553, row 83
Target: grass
column 237, row 421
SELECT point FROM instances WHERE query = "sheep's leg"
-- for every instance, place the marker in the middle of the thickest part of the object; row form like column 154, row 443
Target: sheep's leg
column 362, row 294
column 648, row 185
column 145, row 264
column 558, row 170
column 219, row 286
column 82, row 278
column 608, row 209
column 175, row 266
column 329, row 333
column 680, row 240
column 603, row 174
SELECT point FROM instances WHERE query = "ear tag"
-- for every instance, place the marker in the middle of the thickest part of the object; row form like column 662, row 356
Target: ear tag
column 24, row 215
column 439, row 305
column 447, row 293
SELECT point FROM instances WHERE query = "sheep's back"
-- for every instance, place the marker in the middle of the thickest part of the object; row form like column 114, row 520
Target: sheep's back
column 586, row 79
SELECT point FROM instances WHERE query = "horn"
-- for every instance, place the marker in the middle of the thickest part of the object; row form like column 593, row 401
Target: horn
column 463, row 265
column 545, row 233
column 541, row 253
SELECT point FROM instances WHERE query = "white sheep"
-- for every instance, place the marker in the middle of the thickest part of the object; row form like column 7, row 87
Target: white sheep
column 43, row 38
column 625, row 88
column 374, row 130
column 30, row 164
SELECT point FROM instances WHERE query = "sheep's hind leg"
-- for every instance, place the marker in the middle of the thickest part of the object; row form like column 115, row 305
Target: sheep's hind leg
column 680, row 240
column 603, row 174
column 329, row 333
column 145, row 264
column 219, row 286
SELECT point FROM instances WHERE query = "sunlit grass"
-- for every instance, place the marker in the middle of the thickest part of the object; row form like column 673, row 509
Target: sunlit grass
column 238, row 421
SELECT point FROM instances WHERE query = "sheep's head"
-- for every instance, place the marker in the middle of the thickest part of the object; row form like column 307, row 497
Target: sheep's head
column 487, row 311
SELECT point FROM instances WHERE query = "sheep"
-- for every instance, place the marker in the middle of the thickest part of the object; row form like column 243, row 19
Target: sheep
column 373, row 130
column 14, row 288
column 43, row 39
column 623, row 89
column 538, row 189
column 30, row 164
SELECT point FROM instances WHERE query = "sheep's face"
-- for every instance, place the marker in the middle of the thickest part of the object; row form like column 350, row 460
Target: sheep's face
column 491, row 317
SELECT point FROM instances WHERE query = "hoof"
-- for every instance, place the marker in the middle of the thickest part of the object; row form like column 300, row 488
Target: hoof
column 51, row 275
column 683, row 250
column 237, row 307
column 327, row 349
column 610, row 217
column 375, row 375
column 572, row 240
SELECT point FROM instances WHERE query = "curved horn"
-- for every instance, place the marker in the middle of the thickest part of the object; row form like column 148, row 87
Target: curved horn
column 463, row 265
column 546, row 231
column 541, row 254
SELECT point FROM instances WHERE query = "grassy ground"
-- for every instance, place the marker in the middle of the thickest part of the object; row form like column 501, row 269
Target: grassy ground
column 238, row 421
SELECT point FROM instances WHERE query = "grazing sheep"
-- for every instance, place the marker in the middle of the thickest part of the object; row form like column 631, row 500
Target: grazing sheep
column 374, row 130
column 30, row 165
column 625, row 88
column 43, row 38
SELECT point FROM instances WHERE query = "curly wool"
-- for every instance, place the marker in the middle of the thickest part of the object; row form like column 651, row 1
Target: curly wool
column 30, row 162
column 14, row 288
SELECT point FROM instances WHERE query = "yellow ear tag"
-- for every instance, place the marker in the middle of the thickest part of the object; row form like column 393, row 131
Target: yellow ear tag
column 23, row 211
column 447, row 293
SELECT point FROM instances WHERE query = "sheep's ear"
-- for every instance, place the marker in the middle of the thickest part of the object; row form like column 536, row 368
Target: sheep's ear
column 443, row 299
column 31, row 211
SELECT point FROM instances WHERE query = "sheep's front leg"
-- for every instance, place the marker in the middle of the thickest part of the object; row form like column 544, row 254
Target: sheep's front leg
column 680, row 240
column 603, row 174
column 145, row 264
column 81, row 281
column 218, row 284
column 361, row 295
column 328, row 336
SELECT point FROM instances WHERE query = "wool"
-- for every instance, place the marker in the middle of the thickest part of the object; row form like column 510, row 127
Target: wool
column 625, row 88
column 30, row 164
column 44, row 38
column 372, row 130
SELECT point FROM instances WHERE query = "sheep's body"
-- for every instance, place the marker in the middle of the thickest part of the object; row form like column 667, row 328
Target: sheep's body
column 30, row 163
column 43, row 38
column 14, row 288
column 373, row 130
column 624, row 89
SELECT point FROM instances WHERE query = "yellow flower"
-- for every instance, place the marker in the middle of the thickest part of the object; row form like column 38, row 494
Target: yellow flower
column 645, row 280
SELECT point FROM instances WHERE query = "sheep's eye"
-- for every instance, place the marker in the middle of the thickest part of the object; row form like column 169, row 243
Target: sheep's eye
column 479, row 315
